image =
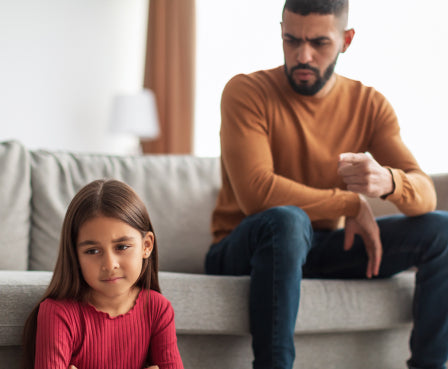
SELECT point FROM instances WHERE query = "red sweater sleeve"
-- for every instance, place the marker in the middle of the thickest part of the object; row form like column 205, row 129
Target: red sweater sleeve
column 163, row 347
column 53, row 337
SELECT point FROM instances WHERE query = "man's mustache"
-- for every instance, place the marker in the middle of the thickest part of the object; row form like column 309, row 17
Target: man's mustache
column 304, row 66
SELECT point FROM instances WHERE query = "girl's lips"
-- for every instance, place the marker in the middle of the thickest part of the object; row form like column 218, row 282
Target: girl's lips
column 112, row 279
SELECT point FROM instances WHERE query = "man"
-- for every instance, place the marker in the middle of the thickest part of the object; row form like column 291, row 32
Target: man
column 301, row 147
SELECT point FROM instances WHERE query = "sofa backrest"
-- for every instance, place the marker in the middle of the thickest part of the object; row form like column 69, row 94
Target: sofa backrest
column 15, row 206
column 179, row 192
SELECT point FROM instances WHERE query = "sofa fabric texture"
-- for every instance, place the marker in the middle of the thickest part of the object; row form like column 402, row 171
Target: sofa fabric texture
column 15, row 206
column 341, row 323
column 179, row 192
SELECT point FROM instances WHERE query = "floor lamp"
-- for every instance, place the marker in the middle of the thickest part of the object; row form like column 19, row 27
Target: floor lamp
column 135, row 115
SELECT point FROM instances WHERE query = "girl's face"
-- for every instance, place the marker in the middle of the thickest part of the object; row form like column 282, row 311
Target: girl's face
column 110, row 254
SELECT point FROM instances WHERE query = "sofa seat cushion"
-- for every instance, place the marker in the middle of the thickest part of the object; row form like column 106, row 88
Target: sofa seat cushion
column 219, row 305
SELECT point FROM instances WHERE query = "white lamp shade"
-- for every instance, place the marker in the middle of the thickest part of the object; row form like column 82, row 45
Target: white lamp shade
column 135, row 114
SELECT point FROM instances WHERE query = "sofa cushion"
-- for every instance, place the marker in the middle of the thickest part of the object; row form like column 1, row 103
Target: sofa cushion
column 179, row 192
column 20, row 291
column 219, row 305
column 15, row 208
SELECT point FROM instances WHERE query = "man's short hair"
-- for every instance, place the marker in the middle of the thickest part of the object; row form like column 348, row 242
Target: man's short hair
column 305, row 7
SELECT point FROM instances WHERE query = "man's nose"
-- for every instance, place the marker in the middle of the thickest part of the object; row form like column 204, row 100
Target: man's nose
column 304, row 53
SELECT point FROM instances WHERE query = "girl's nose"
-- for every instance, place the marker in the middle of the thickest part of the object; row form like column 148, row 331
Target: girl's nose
column 110, row 262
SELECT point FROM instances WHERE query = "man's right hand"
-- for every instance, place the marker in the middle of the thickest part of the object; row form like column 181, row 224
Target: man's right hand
column 365, row 225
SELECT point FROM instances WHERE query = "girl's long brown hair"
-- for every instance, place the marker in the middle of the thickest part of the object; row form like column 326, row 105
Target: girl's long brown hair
column 110, row 198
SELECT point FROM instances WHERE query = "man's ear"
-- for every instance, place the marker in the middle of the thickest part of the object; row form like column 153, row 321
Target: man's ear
column 148, row 244
column 348, row 38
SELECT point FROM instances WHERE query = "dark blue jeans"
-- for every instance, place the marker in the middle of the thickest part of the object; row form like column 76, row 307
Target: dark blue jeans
column 278, row 247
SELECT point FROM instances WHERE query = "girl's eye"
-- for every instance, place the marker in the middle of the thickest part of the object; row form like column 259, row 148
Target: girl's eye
column 92, row 251
column 122, row 247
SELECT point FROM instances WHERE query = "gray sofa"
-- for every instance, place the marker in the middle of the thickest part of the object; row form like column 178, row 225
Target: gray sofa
column 349, row 324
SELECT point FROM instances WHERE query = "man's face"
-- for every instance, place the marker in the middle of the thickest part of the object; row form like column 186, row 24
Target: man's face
column 311, row 46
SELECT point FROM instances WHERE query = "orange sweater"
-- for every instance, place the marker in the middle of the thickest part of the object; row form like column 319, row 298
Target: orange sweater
column 281, row 148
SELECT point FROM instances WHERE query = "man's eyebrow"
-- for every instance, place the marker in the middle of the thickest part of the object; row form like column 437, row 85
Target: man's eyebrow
column 291, row 36
column 319, row 38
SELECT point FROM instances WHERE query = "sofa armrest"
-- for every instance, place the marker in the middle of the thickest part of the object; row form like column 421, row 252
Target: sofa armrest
column 441, row 184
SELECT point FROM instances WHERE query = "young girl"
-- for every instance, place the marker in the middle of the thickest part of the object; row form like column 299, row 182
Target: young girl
column 103, row 308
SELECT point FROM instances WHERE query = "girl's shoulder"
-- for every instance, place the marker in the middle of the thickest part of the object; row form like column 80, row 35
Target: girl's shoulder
column 60, row 316
column 154, row 295
column 67, row 309
column 65, row 304
column 159, row 304
column 157, row 297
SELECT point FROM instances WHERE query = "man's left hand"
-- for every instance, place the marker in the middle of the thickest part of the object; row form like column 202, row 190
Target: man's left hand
column 364, row 175
column 365, row 225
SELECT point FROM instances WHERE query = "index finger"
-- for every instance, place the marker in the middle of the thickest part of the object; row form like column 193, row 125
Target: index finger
column 375, row 253
column 350, row 157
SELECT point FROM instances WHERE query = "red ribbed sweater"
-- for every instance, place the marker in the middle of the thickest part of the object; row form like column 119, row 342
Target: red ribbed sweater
column 75, row 333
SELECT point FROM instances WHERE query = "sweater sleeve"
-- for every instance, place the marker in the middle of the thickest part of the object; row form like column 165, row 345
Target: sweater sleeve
column 53, row 337
column 163, row 347
column 248, row 160
column 414, row 191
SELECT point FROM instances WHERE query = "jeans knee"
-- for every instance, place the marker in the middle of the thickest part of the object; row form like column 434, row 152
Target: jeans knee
column 437, row 221
column 434, row 229
column 434, row 224
column 288, row 218
column 292, row 233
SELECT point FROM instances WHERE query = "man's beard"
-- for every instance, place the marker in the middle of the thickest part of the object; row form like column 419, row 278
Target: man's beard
column 305, row 89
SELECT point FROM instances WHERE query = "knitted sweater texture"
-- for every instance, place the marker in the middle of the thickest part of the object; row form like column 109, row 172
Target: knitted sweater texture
column 75, row 333
column 281, row 148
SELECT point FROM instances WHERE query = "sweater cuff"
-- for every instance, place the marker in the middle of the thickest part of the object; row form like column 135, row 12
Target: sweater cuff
column 352, row 204
column 398, row 185
column 384, row 197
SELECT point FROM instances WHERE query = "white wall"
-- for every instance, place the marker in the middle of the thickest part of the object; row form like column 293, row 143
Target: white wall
column 399, row 48
column 233, row 37
column 61, row 63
